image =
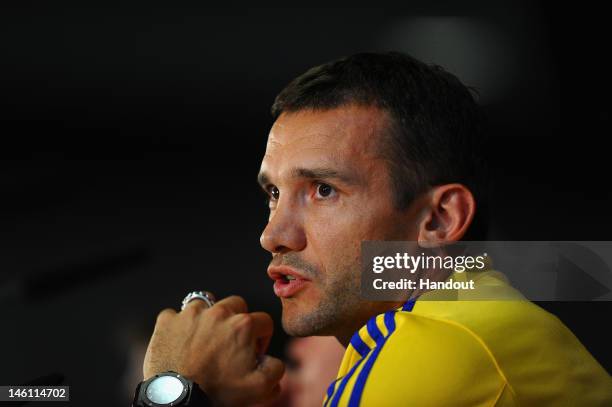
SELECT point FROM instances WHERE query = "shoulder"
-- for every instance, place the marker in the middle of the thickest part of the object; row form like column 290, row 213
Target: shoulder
column 509, row 342
column 428, row 338
column 435, row 362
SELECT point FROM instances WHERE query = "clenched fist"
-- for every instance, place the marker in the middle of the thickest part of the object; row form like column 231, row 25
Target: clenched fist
column 221, row 348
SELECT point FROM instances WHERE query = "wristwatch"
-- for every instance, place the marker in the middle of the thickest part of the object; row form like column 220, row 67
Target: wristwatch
column 169, row 389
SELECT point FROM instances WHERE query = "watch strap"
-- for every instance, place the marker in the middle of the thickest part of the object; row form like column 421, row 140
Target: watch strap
column 197, row 397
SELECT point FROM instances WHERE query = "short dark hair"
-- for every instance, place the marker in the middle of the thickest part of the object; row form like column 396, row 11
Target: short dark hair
column 436, row 132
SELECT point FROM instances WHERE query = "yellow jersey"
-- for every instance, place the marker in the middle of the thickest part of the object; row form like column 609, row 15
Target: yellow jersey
column 469, row 352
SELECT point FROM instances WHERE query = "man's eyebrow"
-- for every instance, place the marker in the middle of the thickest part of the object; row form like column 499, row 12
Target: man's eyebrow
column 324, row 173
column 312, row 173
column 263, row 179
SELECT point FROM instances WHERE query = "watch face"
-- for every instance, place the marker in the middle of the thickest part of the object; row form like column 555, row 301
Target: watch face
column 165, row 390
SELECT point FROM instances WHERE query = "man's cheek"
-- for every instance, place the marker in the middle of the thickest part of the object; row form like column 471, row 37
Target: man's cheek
column 337, row 234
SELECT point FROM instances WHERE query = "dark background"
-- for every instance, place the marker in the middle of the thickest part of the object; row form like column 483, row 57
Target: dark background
column 131, row 139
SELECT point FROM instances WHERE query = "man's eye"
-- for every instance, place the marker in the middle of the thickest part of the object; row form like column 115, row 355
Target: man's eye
column 325, row 191
column 274, row 193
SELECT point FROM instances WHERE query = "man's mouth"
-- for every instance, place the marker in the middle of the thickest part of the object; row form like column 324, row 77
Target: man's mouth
column 287, row 281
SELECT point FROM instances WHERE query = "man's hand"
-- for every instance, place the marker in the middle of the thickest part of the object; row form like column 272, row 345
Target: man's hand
column 220, row 348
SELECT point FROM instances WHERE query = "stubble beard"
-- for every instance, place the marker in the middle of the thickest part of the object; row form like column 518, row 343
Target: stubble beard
column 340, row 297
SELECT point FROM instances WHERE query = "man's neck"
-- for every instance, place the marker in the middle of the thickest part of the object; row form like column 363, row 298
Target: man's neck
column 346, row 332
column 432, row 275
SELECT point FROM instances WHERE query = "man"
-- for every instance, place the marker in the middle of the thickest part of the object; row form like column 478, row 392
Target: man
column 377, row 147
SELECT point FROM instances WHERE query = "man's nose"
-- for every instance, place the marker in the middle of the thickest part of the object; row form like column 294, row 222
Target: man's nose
column 284, row 231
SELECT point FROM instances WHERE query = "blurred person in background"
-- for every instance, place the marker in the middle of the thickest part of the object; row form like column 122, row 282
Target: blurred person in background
column 313, row 363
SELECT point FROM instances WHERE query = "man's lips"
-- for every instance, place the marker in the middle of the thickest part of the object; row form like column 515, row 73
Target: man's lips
column 284, row 287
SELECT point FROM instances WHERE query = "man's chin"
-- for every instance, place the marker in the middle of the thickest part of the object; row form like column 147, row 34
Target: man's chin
column 291, row 320
column 292, row 328
column 304, row 322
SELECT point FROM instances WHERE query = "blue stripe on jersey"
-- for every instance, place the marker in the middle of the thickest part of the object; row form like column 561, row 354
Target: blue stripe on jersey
column 374, row 331
column 390, row 322
column 360, row 346
column 330, row 392
column 409, row 305
column 343, row 383
column 363, row 375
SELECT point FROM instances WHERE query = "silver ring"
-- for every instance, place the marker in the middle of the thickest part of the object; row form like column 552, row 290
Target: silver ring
column 205, row 296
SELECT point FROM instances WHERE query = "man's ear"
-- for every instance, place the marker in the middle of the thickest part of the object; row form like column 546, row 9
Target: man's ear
column 447, row 214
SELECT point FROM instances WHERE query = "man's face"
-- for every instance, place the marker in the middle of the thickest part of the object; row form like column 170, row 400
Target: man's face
column 330, row 190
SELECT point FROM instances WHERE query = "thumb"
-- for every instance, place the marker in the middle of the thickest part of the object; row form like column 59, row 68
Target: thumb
column 269, row 370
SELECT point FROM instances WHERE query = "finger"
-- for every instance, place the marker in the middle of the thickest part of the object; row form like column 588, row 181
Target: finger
column 198, row 300
column 233, row 303
column 165, row 315
column 196, row 305
column 272, row 368
column 263, row 327
column 269, row 372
